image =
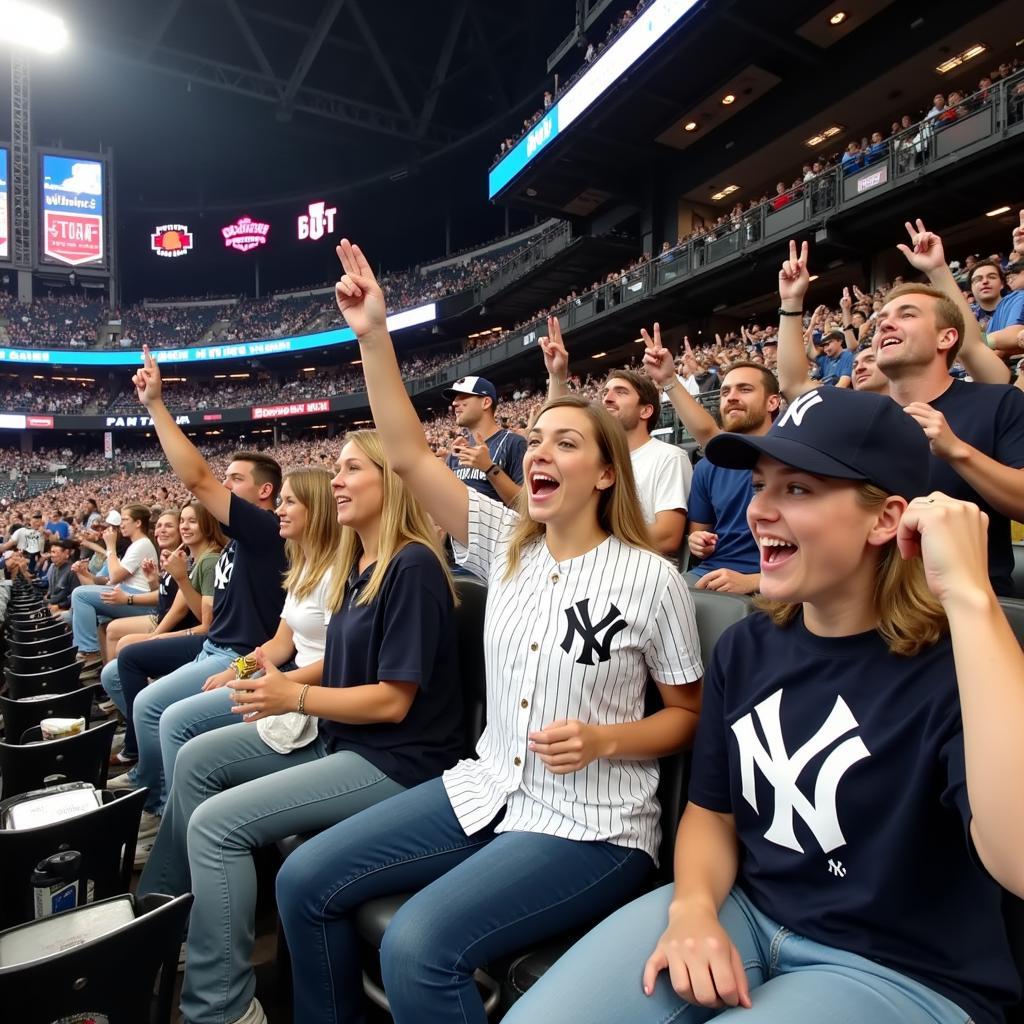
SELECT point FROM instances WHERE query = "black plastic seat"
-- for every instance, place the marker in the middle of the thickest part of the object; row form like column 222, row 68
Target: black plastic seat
column 44, row 661
column 22, row 715
column 106, row 839
column 1017, row 575
column 35, row 646
column 113, row 975
column 1013, row 609
column 81, row 758
column 59, row 680
column 41, row 634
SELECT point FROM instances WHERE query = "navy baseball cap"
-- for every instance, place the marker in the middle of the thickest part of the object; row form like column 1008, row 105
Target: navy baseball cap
column 852, row 435
column 473, row 386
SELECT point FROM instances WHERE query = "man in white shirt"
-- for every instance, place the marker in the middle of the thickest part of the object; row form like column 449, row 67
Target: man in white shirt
column 663, row 471
column 28, row 540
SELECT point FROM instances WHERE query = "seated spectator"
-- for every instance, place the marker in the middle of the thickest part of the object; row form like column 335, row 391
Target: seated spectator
column 60, row 579
column 987, row 282
column 490, row 881
column 853, row 158
column 878, row 602
column 125, row 570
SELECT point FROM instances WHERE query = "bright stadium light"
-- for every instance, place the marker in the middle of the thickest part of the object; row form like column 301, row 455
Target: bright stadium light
column 28, row 26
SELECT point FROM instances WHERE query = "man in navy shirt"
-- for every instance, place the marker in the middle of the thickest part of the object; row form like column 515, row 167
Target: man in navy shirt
column 486, row 457
column 718, row 530
column 247, row 602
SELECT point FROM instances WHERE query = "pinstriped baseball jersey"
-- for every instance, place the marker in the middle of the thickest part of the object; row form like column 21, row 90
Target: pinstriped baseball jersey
column 569, row 640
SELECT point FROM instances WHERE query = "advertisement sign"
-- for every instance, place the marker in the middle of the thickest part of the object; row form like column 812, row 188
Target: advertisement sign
column 108, row 444
column 317, row 221
column 245, row 234
column 72, row 210
column 266, row 412
column 425, row 314
column 5, row 224
column 39, row 422
column 171, row 240
column 648, row 27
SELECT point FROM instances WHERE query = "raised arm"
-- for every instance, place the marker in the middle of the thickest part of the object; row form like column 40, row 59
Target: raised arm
column 929, row 257
column 661, row 369
column 186, row 462
column 361, row 302
column 794, row 280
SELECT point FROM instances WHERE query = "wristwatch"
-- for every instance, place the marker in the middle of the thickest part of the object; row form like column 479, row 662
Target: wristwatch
column 494, row 470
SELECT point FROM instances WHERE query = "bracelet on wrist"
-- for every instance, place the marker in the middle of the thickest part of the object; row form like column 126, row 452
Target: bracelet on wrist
column 302, row 700
column 131, row 599
column 790, row 312
column 666, row 388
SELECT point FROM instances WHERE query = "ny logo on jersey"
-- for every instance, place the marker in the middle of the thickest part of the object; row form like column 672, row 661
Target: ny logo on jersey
column 798, row 408
column 579, row 622
column 783, row 771
column 224, row 568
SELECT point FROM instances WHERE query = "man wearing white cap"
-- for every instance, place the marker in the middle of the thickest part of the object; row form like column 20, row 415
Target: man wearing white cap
column 486, row 457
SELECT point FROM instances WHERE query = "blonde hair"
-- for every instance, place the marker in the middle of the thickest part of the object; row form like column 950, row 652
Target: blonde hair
column 618, row 508
column 312, row 558
column 402, row 521
column 910, row 617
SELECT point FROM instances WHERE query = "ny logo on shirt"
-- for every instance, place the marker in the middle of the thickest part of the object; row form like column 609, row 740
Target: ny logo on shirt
column 782, row 771
column 224, row 568
column 578, row 618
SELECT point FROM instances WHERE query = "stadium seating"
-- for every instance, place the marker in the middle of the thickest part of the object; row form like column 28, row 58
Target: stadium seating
column 22, row 715
column 83, row 757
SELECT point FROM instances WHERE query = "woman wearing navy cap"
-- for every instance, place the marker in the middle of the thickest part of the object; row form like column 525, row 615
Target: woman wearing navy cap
column 850, row 819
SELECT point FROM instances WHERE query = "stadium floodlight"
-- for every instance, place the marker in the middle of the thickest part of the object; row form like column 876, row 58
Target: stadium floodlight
column 31, row 27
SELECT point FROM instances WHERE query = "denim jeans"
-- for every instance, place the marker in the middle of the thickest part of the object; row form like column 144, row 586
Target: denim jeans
column 157, row 701
column 126, row 676
column 485, row 895
column 87, row 607
column 231, row 794
column 792, row 979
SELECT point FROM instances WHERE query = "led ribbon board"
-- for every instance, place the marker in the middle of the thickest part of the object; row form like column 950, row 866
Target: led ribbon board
column 210, row 353
column 650, row 25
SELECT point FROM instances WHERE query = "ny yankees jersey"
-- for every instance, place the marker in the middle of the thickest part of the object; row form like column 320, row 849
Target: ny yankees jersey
column 569, row 640
column 843, row 766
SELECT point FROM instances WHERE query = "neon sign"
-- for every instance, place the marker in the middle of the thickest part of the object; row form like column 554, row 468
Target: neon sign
column 317, row 222
column 245, row 234
column 171, row 240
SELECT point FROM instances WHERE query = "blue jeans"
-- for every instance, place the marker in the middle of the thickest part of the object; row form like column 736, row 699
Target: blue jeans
column 87, row 607
column 486, row 895
column 156, row 714
column 792, row 980
column 231, row 794
column 135, row 666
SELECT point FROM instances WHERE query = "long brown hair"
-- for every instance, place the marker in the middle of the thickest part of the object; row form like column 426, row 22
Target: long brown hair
column 208, row 526
column 910, row 617
column 402, row 521
column 312, row 558
column 618, row 508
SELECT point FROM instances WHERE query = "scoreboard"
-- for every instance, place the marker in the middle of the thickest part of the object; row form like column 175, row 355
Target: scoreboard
column 73, row 203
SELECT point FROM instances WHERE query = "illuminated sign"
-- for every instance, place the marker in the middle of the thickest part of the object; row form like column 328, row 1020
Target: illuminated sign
column 245, row 234
column 171, row 240
column 143, row 421
column 5, row 224
column 40, row 422
column 72, row 210
column 211, row 353
column 266, row 412
column 648, row 27
column 317, row 222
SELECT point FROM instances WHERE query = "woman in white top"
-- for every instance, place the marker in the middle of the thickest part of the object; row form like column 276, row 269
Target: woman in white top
column 557, row 821
column 124, row 571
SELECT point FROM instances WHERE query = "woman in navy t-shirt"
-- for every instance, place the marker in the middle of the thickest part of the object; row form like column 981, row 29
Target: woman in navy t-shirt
column 854, row 806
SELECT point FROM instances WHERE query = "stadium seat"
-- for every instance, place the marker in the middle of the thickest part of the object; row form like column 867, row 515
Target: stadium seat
column 111, row 977
column 1018, row 571
column 1014, row 611
column 32, row 645
column 715, row 613
column 59, row 680
column 44, row 661
column 22, row 715
column 106, row 839
column 81, row 758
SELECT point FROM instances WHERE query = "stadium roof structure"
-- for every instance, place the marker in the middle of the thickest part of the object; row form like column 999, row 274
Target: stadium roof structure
column 346, row 91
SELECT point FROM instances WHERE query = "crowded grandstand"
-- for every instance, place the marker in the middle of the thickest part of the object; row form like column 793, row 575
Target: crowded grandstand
column 512, row 515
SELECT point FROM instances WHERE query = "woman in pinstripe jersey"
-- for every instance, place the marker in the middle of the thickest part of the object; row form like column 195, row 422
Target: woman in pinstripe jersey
column 556, row 821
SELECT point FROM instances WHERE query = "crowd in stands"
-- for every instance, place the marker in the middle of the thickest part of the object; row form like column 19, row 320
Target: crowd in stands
column 68, row 398
column 54, row 321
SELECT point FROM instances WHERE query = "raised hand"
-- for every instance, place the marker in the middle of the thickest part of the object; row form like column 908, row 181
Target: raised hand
column 794, row 277
column 927, row 254
column 1018, row 236
column 951, row 538
column 146, row 379
column 846, row 304
column 477, row 456
column 657, row 359
column 110, row 535
column 150, row 570
column 177, row 564
column 556, row 357
column 358, row 294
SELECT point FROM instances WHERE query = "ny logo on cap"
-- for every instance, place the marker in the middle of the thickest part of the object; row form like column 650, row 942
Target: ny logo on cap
column 797, row 409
